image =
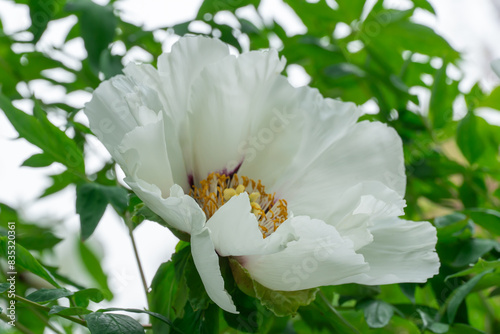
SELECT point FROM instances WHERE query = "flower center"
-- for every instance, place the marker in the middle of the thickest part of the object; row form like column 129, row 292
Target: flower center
column 217, row 189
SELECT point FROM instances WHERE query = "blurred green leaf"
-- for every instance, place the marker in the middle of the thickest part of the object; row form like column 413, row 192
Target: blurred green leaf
column 91, row 202
column 469, row 140
column 38, row 160
column 377, row 312
column 441, row 103
column 25, row 260
column 93, row 266
column 39, row 131
column 83, row 297
column 47, row 295
column 458, row 296
column 62, row 310
column 486, row 218
column 97, row 27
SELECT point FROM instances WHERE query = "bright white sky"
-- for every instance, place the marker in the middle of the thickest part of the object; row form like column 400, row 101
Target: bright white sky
column 470, row 26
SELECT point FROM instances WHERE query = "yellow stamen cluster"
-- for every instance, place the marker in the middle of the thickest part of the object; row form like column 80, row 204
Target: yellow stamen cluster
column 217, row 189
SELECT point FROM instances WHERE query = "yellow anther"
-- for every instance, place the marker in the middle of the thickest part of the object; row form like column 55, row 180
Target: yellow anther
column 228, row 193
column 240, row 188
column 255, row 206
column 254, row 196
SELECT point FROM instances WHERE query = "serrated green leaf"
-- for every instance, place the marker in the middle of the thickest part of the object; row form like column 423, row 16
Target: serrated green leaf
column 47, row 295
column 25, row 260
column 100, row 323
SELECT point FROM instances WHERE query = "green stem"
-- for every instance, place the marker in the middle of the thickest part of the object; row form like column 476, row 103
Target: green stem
column 45, row 321
column 128, row 221
column 47, row 309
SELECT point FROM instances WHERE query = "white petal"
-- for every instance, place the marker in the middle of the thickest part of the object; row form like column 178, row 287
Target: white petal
column 179, row 210
column 322, row 174
column 402, row 251
column 495, row 66
column 177, row 69
column 143, row 155
column 231, row 100
column 235, row 230
column 116, row 109
column 360, row 206
column 207, row 263
column 319, row 257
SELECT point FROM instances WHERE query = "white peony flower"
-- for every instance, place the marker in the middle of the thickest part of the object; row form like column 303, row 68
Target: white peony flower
column 283, row 180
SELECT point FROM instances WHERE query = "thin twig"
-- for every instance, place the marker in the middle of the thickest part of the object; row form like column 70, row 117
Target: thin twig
column 47, row 309
column 128, row 221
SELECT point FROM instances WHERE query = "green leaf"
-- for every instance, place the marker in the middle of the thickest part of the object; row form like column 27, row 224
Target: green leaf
column 97, row 27
column 344, row 69
column 91, row 202
column 492, row 100
column 83, row 297
column 469, row 140
column 459, row 294
column 38, row 160
column 214, row 6
column 41, row 12
column 478, row 268
column 100, row 323
column 39, row 131
column 424, row 4
column 281, row 303
column 62, row 310
column 25, row 260
column 440, row 105
column 486, row 218
column 471, row 250
column 4, row 287
column 432, row 325
column 168, row 296
column 377, row 312
column 134, row 310
column 60, row 181
column 47, row 295
column 93, row 266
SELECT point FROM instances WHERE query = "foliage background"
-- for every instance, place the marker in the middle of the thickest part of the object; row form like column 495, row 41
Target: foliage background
column 375, row 56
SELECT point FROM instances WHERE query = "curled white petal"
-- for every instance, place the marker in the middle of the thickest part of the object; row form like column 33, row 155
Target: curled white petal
column 207, row 263
column 319, row 256
column 401, row 251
